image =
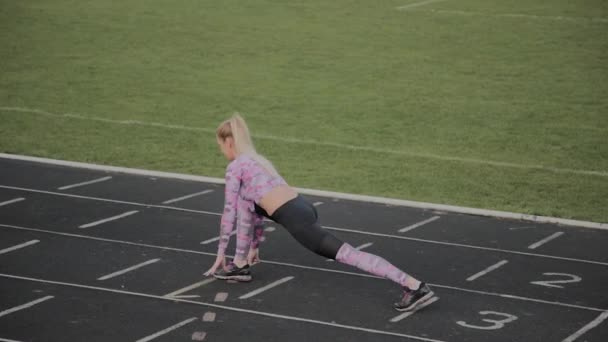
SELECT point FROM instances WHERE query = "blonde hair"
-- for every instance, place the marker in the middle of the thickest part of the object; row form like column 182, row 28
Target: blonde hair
column 236, row 128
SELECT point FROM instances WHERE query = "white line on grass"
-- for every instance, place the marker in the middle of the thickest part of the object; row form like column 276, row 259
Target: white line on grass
column 487, row 270
column 225, row 307
column 323, row 143
column 265, row 288
column 414, row 226
column 25, row 306
column 545, row 240
column 165, row 331
column 98, row 180
column 126, row 270
column 96, row 223
column 12, row 201
column 519, row 16
column 587, row 327
column 25, row 244
column 418, row 4
column 187, row 196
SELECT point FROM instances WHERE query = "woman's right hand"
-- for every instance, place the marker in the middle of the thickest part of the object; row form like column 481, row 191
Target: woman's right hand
column 253, row 257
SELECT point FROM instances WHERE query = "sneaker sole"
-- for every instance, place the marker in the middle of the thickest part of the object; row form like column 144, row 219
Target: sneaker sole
column 243, row 278
column 418, row 302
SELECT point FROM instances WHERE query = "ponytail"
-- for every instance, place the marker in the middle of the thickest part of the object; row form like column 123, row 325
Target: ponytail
column 236, row 128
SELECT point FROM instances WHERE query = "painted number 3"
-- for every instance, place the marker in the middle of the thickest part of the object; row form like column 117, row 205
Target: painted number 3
column 496, row 323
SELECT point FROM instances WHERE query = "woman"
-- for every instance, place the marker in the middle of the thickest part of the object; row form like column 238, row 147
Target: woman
column 255, row 190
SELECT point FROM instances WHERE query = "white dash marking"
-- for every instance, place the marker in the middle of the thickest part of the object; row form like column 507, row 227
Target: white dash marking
column 209, row 316
column 25, row 244
column 416, row 225
column 164, row 331
column 316, row 204
column 221, row 297
column 25, row 306
column 265, row 288
column 7, row 340
column 199, row 336
column 112, row 275
column 187, row 196
column 206, row 242
column 409, row 313
column 12, row 201
column 190, row 287
column 417, row 4
column 487, row 270
column 98, row 180
column 92, row 224
column 587, row 327
column 545, row 240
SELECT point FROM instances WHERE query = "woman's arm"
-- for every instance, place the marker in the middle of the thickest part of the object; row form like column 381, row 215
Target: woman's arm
column 231, row 193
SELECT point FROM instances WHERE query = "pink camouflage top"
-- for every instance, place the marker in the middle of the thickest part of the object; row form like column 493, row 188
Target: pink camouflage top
column 246, row 183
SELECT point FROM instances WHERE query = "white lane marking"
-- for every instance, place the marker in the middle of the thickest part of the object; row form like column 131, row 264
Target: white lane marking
column 206, row 242
column 266, row 288
column 25, row 244
column 25, row 306
column 165, row 331
column 12, row 201
column 209, row 316
column 98, row 180
column 187, row 196
column 328, row 144
column 364, row 275
column 186, row 296
column 408, row 228
column 316, row 204
column 359, row 198
column 545, row 240
column 225, row 307
column 199, row 336
column 190, row 287
column 409, row 313
column 7, row 340
column 129, row 269
column 418, row 4
column 365, row 245
column 599, row 319
column 602, row 226
column 220, row 297
column 487, row 270
column 96, row 223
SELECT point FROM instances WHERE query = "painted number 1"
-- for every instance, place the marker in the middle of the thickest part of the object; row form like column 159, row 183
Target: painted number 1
column 496, row 323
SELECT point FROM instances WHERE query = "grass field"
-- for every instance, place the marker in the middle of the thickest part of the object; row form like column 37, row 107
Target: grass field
column 491, row 104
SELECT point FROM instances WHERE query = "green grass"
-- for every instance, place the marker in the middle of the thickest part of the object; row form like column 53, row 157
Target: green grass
column 386, row 95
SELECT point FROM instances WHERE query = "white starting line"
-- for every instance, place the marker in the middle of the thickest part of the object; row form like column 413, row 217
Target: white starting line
column 112, row 275
column 12, row 201
column 165, row 331
column 25, row 306
column 98, row 180
column 96, row 223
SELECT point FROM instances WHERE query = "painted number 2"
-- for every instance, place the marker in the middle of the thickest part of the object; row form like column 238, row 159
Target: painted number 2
column 570, row 278
column 496, row 323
